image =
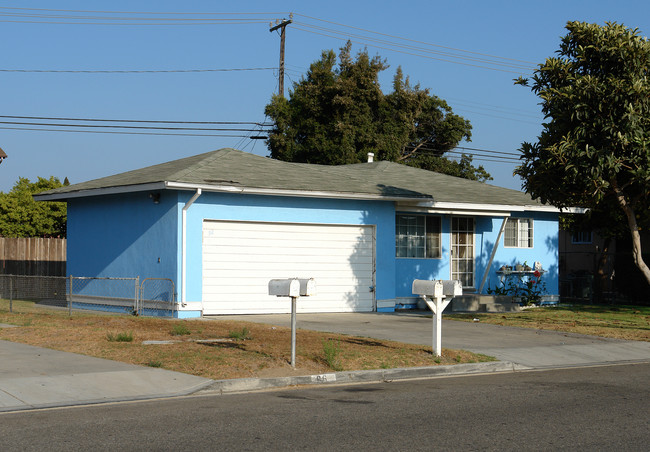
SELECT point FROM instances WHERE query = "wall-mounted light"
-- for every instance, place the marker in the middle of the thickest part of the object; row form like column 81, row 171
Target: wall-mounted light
column 155, row 197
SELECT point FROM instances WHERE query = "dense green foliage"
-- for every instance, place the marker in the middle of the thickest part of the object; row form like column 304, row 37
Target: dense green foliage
column 337, row 115
column 594, row 148
column 462, row 168
column 21, row 216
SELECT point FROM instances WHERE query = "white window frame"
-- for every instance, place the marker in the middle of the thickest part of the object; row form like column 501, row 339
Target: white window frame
column 418, row 239
column 519, row 236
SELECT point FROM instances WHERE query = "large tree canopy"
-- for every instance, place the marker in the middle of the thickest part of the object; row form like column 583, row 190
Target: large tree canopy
column 337, row 115
column 593, row 151
column 21, row 216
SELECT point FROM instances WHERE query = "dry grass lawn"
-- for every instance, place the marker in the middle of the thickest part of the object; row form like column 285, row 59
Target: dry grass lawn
column 617, row 322
column 215, row 348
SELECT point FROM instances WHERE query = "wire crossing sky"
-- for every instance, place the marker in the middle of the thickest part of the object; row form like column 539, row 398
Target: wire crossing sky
column 91, row 89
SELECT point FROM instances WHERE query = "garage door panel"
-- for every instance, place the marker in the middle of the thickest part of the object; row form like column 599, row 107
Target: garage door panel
column 247, row 253
column 239, row 259
column 278, row 236
column 298, row 269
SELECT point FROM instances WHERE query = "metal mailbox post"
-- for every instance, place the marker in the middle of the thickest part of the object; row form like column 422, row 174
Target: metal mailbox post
column 294, row 288
column 442, row 292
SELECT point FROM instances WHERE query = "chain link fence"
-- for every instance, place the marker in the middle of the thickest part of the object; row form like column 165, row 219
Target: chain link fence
column 152, row 297
column 104, row 294
column 157, row 297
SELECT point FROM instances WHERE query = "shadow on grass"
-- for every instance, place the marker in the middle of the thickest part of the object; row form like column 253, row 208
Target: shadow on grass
column 361, row 341
column 231, row 345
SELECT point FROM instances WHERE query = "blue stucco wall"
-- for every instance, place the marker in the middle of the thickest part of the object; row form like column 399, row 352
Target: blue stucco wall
column 123, row 236
column 545, row 250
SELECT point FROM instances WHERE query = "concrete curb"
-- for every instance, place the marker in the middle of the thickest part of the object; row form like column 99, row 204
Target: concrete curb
column 362, row 376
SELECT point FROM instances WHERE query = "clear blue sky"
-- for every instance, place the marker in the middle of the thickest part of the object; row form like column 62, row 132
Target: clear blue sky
column 519, row 33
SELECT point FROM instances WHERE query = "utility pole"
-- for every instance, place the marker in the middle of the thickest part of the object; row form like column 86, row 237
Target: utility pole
column 282, row 25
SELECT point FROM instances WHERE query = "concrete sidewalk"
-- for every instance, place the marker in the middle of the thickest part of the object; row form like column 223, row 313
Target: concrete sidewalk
column 34, row 377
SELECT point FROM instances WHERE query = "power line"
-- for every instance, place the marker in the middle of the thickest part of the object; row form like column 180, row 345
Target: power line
column 518, row 111
column 81, row 17
column 46, row 118
column 132, row 126
column 125, row 133
column 139, row 71
column 141, row 12
column 411, row 53
column 376, row 39
column 498, row 117
column 489, row 151
column 468, row 56
column 476, row 154
column 113, row 126
column 263, row 21
column 484, row 157
column 413, row 40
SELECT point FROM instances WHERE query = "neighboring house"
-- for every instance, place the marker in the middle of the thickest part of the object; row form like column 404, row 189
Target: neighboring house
column 222, row 224
column 582, row 252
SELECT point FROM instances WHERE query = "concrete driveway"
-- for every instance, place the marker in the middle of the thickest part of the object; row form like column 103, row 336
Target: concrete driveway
column 524, row 346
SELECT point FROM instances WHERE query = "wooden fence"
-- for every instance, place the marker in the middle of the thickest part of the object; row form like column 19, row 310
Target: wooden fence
column 32, row 256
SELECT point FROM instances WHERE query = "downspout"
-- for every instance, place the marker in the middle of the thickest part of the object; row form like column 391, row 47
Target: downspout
column 184, row 244
column 494, row 251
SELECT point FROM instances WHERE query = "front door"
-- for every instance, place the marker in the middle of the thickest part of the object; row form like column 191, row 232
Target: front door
column 462, row 250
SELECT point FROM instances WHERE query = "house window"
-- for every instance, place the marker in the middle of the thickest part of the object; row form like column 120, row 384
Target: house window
column 418, row 236
column 519, row 233
column 581, row 237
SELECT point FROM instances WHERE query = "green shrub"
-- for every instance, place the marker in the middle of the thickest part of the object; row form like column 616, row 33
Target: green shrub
column 331, row 352
column 240, row 335
column 180, row 329
column 120, row 337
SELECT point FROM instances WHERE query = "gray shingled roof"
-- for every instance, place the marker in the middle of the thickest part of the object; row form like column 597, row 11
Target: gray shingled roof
column 233, row 168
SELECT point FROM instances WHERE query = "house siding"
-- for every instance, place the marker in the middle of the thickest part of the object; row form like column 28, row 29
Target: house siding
column 544, row 250
column 123, row 236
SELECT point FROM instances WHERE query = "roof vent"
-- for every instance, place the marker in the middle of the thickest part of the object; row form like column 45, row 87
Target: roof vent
column 371, row 157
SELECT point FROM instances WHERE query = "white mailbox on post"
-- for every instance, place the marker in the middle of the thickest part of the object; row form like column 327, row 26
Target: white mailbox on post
column 294, row 288
column 284, row 287
column 437, row 294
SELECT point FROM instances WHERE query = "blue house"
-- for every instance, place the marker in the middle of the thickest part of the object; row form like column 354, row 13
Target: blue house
column 220, row 225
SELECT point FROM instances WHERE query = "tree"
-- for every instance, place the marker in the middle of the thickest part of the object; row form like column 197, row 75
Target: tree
column 462, row 168
column 21, row 216
column 337, row 115
column 594, row 151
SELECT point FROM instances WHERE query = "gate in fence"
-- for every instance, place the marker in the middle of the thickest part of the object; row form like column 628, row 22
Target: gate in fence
column 157, row 297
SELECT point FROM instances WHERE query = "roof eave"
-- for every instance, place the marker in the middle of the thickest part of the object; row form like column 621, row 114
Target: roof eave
column 295, row 193
column 99, row 191
column 442, row 207
column 423, row 203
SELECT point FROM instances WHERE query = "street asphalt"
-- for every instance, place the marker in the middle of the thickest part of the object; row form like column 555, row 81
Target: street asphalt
column 35, row 377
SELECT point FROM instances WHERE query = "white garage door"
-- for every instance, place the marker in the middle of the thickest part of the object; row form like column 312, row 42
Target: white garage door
column 239, row 259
